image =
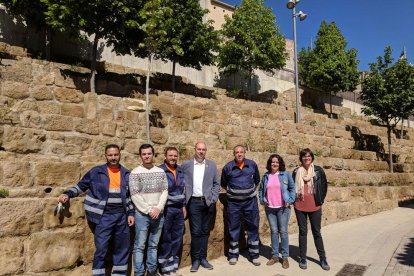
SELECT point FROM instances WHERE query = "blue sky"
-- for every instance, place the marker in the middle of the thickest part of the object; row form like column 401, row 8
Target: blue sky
column 367, row 25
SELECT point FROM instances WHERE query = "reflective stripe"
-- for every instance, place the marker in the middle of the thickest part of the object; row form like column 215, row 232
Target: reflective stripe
column 176, row 197
column 98, row 271
column 253, row 250
column 234, row 243
column 120, row 267
column 74, row 190
column 167, row 268
column 253, row 242
column 234, row 251
column 115, row 190
column 165, row 260
column 96, row 201
column 114, row 274
column 245, row 191
column 241, row 197
column 93, row 210
column 114, row 200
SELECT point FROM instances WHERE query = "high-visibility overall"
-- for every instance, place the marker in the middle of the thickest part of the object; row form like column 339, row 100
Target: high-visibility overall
column 173, row 229
column 242, row 205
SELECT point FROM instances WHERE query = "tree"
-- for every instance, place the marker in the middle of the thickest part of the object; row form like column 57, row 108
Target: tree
column 189, row 41
column 33, row 13
column 329, row 67
column 102, row 19
column 388, row 93
column 251, row 40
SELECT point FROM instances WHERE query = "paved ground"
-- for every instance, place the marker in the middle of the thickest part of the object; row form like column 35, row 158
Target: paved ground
column 380, row 244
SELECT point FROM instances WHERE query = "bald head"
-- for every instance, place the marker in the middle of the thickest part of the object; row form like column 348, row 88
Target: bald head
column 200, row 151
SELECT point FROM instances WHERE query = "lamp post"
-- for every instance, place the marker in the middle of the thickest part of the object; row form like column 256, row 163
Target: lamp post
column 302, row 16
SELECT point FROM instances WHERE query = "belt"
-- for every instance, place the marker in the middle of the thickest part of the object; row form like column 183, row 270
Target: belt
column 198, row 198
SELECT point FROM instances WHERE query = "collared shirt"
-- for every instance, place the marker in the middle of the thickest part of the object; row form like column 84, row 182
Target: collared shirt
column 199, row 169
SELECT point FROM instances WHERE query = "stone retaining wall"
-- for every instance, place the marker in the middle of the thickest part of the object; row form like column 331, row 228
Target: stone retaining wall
column 51, row 133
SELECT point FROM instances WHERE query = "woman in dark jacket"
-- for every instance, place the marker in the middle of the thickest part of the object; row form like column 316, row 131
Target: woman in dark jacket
column 311, row 187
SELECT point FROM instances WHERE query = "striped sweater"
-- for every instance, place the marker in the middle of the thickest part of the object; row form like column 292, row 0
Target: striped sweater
column 148, row 188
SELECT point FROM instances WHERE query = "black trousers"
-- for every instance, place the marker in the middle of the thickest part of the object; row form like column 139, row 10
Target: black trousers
column 200, row 216
column 315, row 219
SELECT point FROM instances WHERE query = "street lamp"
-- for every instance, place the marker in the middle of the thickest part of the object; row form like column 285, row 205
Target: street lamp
column 291, row 5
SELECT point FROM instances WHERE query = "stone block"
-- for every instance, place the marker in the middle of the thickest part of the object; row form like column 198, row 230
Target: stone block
column 158, row 135
column 78, row 141
column 73, row 214
column 57, row 173
column 129, row 130
column 23, row 140
column 63, row 250
column 178, row 124
column 20, row 217
column 86, row 126
column 11, row 256
column 15, row 90
column 128, row 116
column 17, row 174
column 107, row 128
column 63, row 80
column 67, row 95
column 42, row 92
column 194, row 113
column 58, row 122
column 105, row 114
column 72, row 110
column 47, row 107
column 30, row 119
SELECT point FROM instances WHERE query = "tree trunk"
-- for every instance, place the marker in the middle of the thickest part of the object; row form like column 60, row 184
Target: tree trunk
column 48, row 44
column 389, row 129
column 330, row 105
column 93, row 62
column 147, row 99
column 402, row 129
column 173, row 77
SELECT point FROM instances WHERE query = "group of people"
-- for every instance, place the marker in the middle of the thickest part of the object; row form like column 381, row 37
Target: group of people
column 157, row 200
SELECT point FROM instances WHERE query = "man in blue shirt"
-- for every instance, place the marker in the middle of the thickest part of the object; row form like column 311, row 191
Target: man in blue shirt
column 174, row 214
column 240, row 177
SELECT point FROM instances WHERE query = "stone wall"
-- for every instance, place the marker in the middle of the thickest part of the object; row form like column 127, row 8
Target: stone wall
column 51, row 133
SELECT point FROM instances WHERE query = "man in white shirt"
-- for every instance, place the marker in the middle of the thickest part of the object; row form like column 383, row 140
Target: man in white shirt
column 202, row 191
column 149, row 191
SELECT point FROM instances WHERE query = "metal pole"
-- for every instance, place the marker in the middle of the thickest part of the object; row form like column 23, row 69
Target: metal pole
column 297, row 117
column 147, row 100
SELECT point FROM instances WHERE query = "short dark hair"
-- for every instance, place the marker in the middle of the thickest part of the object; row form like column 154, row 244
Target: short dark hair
column 282, row 166
column 167, row 149
column 111, row 146
column 304, row 152
column 146, row 146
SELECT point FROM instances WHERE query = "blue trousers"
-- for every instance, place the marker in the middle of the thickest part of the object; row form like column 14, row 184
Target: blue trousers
column 248, row 211
column 113, row 226
column 200, row 216
column 171, row 239
column 278, row 221
column 147, row 235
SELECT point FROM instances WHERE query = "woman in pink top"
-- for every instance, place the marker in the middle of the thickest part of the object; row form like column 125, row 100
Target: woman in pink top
column 277, row 193
column 311, row 188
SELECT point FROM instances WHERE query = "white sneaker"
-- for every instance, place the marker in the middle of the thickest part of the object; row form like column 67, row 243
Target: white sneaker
column 233, row 261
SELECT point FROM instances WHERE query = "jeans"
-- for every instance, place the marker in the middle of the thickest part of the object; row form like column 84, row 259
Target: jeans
column 200, row 216
column 315, row 219
column 146, row 229
column 278, row 221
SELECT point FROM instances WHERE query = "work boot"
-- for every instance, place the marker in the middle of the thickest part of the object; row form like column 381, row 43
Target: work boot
column 324, row 265
column 285, row 263
column 303, row 264
column 204, row 263
column 256, row 262
column 273, row 260
column 195, row 266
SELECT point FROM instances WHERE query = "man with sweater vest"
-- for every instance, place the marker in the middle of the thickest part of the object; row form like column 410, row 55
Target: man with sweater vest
column 174, row 214
column 108, row 209
column 149, row 190
column 240, row 178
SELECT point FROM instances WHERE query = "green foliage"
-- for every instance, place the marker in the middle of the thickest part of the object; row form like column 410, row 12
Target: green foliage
column 4, row 192
column 251, row 40
column 329, row 67
column 388, row 93
column 32, row 11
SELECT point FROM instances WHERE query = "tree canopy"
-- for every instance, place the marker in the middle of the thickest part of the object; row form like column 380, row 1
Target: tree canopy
column 388, row 93
column 329, row 67
column 251, row 40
